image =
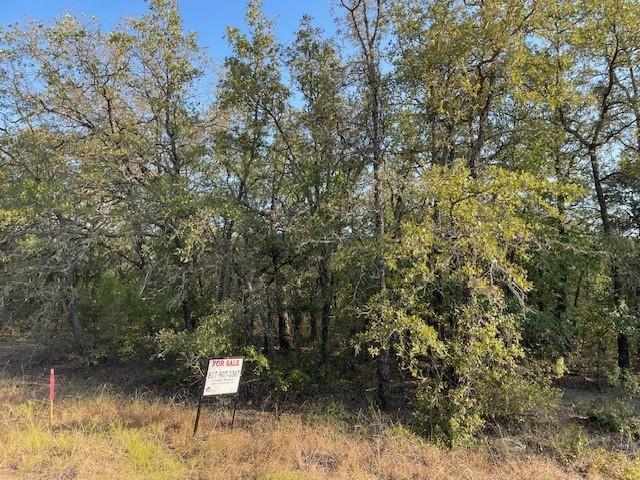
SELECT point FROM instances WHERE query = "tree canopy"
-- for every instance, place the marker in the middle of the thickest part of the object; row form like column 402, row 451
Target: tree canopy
column 443, row 200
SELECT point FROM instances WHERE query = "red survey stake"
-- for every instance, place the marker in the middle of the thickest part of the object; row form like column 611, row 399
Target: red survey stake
column 52, row 385
column 52, row 394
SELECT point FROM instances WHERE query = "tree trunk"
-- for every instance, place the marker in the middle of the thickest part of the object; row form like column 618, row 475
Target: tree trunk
column 267, row 322
column 562, row 293
column 249, row 311
column 366, row 31
column 284, row 329
column 383, row 368
column 478, row 142
column 325, row 292
column 378, row 208
column 313, row 324
column 623, row 341
column 72, row 310
column 188, row 318
column 297, row 311
column 187, row 312
column 223, row 287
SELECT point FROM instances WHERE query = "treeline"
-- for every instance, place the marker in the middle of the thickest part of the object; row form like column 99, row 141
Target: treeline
column 445, row 194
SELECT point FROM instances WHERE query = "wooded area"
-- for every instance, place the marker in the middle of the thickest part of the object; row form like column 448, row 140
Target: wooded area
column 442, row 201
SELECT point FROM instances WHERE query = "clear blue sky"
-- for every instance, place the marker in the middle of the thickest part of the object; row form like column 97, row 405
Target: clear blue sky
column 208, row 18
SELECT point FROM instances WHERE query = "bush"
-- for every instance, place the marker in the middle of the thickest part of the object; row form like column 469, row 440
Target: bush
column 614, row 417
column 214, row 336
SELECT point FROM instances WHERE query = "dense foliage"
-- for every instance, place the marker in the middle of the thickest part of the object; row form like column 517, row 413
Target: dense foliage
column 445, row 196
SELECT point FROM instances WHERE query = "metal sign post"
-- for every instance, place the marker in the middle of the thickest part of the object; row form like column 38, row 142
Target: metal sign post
column 195, row 427
column 235, row 405
column 222, row 378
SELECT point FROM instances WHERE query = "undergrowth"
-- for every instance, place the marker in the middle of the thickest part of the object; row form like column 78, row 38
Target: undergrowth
column 101, row 434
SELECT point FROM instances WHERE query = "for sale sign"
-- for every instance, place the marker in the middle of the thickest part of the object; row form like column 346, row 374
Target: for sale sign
column 223, row 376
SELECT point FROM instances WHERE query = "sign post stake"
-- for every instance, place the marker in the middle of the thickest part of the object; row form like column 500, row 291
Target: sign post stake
column 235, row 403
column 195, row 427
column 233, row 417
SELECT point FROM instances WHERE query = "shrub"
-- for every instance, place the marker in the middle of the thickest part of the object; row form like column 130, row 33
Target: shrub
column 214, row 336
column 615, row 417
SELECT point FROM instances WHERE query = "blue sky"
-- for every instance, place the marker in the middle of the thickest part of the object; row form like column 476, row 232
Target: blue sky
column 208, row 18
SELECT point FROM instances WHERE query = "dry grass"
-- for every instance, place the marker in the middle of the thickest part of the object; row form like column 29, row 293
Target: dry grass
column 103, row 435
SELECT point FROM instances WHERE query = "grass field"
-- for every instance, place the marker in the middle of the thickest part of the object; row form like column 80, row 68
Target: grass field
column 101, row 433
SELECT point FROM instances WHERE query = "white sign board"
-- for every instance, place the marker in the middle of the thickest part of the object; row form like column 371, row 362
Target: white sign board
column 223, row 376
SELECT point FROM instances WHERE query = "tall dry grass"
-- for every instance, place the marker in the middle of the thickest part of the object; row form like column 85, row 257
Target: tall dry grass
column 99, row 434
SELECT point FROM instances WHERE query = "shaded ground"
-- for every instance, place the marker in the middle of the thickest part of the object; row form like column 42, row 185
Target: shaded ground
column 15, row 354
